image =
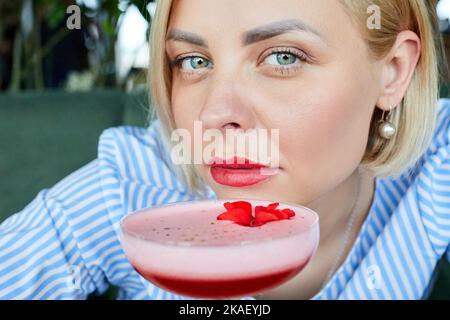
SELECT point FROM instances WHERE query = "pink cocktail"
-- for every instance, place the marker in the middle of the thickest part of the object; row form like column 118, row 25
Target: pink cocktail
column 183, row 248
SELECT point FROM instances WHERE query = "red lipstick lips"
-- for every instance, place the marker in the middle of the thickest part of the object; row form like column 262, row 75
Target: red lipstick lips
column 238, row 172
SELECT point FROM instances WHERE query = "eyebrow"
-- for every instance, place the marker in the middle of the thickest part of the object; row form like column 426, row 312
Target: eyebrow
column 252, row 36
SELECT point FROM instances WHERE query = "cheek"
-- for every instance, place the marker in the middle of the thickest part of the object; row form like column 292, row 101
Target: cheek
column 328, row 132
column 324, row 134
column 178, row 106
column 184, row 105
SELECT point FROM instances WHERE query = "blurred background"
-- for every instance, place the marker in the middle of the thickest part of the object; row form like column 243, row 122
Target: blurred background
column 70, row 69
column 107, row 48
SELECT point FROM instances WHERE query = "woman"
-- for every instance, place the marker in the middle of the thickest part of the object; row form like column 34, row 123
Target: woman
column 352, row 87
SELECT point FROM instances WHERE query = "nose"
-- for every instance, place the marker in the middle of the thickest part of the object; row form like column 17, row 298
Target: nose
column 227, row 105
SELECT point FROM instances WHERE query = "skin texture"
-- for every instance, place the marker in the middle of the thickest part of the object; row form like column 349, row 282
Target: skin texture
column 322, row 106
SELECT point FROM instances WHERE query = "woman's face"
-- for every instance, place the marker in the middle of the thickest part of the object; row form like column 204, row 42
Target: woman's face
column 313, row 80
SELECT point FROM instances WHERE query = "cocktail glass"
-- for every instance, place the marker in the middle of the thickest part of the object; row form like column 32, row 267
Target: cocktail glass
column 183, row 248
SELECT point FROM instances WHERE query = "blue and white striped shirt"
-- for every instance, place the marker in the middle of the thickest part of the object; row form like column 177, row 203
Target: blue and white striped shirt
column 65, row 245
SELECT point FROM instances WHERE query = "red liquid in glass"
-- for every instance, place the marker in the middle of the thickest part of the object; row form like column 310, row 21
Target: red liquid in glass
column 214, row 288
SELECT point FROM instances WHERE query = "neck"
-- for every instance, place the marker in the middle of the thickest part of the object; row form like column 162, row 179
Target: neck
column 335, row 207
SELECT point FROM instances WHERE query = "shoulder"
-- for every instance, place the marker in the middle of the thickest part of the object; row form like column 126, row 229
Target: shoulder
column 132, row 171
column 438, row 149
column 433, row 182
column 436, row 158
column 442, row 130
column 140, row 155
column 139, row 159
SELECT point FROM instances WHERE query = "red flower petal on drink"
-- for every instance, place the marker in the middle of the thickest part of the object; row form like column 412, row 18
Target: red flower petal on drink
column 270, row 208
column 262, row 217
column 289, row 212
column 245, row 205
column 237, row 215
column 240, row 212
column 273, row 205
column 281, row 215
column 275, row 214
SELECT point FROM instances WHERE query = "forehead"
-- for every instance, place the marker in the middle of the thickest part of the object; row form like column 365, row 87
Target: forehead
column 231, row 18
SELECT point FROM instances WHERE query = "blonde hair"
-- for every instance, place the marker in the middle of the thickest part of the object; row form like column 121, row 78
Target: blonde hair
column 414, row 117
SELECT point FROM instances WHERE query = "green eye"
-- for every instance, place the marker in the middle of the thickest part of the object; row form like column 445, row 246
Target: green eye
column 282, row 58
column 193, row 63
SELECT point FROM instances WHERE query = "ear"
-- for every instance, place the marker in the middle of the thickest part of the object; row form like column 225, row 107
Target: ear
column 398, row 69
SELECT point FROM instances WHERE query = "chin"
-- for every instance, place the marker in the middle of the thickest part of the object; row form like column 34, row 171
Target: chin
column 257, row 192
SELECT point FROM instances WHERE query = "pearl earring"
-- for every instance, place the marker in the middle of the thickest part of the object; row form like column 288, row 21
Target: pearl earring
column 386, row 129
